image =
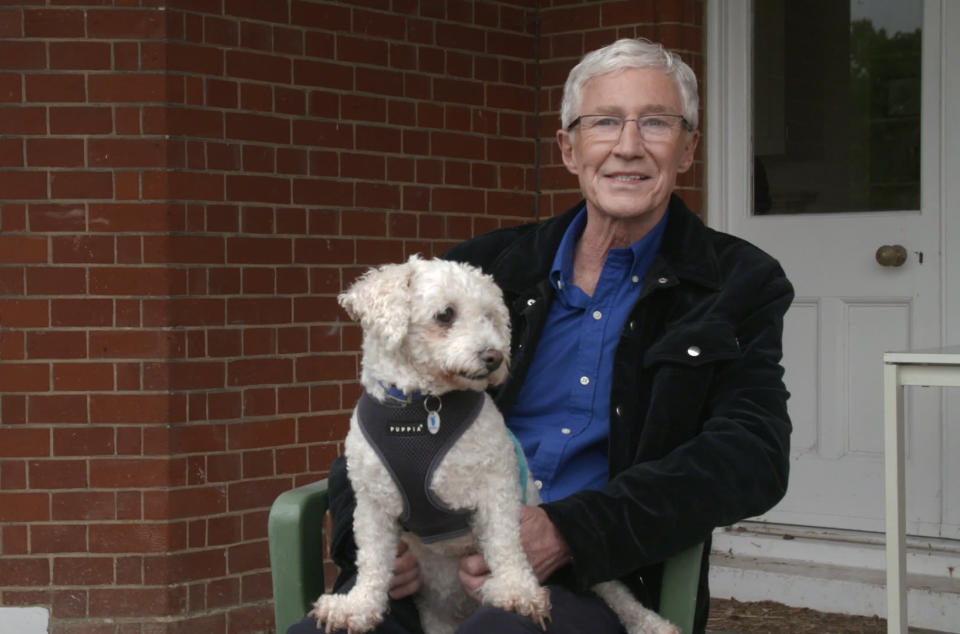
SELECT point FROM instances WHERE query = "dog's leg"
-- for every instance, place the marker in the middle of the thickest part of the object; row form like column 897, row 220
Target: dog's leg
column 635, row 618
column 362, row 608
column 495, row 497
column 512, row 584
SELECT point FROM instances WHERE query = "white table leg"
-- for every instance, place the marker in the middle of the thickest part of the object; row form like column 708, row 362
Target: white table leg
column 895, row 503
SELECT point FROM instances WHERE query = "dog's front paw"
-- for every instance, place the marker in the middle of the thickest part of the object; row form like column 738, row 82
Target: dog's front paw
column 346, row 612
column 526, row 599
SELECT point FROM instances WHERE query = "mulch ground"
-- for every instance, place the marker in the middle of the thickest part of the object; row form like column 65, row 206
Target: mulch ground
column 768, row 617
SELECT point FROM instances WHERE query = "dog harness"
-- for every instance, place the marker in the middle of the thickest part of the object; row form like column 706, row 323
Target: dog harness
column 411, row 441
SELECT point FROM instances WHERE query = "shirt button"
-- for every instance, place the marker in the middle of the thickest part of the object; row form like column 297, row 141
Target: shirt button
column 584, row 380
column 597, row 315
column 538, row 484
column 693, row 351
column 565, row 431
column 560, row 284
column 635, row 279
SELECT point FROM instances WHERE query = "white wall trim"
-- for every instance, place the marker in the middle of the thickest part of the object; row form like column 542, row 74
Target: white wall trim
column 24, row 620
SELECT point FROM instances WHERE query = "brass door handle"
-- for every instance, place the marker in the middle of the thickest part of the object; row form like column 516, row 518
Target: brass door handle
column 894, row 255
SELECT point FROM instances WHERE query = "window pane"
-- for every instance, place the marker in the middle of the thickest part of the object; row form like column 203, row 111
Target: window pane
column 836, row 112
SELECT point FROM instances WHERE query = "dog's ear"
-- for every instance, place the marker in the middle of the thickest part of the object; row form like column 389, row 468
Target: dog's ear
column 380, row 301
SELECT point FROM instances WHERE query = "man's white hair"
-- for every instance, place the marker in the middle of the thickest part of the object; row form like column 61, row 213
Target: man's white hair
column 630, row 53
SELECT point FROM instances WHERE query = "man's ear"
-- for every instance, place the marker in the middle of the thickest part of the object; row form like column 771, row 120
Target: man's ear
column 689, row 151
column 380, row 301
column 565, row 141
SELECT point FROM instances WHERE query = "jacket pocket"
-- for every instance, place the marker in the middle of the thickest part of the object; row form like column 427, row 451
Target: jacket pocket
column 679, row 369
column 694, row 345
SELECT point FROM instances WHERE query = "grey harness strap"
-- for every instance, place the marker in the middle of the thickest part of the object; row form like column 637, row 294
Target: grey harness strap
column 411, row 452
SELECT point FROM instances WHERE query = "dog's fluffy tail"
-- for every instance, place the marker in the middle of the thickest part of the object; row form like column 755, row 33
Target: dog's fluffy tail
column 635, row 618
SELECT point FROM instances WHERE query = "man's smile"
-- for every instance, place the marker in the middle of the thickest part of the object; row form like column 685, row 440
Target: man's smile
column 628, row 177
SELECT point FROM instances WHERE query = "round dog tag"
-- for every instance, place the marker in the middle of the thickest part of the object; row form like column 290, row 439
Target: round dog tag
column 433, row 422
column 433, row 415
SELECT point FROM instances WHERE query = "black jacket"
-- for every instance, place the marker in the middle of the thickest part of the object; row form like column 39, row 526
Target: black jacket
column 699, row 432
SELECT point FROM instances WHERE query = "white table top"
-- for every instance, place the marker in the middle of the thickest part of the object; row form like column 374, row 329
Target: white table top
column 948, row 355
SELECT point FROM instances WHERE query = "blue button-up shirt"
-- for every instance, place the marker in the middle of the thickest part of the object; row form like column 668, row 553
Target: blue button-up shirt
column 562, row 414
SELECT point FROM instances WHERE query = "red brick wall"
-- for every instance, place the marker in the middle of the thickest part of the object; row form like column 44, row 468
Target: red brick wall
column 185, row 186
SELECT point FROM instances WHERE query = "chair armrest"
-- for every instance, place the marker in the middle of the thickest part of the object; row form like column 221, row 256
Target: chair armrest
column 678, row 594
column 295, row 532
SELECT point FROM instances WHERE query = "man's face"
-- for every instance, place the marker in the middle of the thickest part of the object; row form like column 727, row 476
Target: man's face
column 629, row 178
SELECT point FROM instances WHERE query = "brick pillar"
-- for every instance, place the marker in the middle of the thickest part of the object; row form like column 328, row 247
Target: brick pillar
column 92, row 498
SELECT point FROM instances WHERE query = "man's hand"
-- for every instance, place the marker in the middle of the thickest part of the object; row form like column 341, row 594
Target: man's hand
column 473, row 572
column 406, row 573
column 545, row 547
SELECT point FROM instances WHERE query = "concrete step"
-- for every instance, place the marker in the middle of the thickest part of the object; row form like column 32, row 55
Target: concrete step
column 835, row 571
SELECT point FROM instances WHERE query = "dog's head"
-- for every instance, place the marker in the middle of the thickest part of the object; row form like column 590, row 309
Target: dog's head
column 431, row 326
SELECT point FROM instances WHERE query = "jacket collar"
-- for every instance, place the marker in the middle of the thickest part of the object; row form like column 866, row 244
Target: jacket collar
column 685, row 251
column 515, row 270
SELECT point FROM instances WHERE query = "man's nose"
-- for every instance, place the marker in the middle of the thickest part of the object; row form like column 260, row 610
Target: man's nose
column 630, row 141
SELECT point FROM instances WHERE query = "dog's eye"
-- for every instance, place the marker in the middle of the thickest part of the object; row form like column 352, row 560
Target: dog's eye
column 446, row 316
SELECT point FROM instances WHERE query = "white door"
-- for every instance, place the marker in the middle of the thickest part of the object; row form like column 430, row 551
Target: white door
column 824, row 144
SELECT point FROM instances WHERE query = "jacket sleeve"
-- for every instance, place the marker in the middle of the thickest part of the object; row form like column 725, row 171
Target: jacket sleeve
column 735, row 467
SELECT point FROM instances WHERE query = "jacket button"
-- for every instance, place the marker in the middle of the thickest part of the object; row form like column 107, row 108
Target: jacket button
column 693, row 351
column 538, row 484
column 632, row 325
column 618, row 411
column 663, row 280
column 531, row 302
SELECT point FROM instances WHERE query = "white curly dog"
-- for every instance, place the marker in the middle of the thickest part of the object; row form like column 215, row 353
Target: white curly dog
column 435, row 334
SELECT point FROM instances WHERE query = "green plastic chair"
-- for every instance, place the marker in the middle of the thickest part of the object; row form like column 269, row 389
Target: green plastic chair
column 295, row 530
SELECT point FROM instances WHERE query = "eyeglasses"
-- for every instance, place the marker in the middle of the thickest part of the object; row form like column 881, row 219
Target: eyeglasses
column 653, row 128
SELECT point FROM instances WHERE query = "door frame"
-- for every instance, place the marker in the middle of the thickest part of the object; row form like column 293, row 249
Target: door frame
column 728, row 108
column 728, row 153
column 950, row 247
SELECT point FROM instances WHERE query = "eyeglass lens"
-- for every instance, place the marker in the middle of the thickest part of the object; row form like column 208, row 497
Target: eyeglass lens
column 651, row 127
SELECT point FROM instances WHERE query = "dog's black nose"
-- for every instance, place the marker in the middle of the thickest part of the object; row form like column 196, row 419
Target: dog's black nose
column 491, row 359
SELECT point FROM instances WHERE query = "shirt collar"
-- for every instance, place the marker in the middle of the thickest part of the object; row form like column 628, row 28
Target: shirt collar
column 640, row 252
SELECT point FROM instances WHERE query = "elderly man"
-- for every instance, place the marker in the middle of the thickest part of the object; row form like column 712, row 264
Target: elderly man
column 646, row 386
